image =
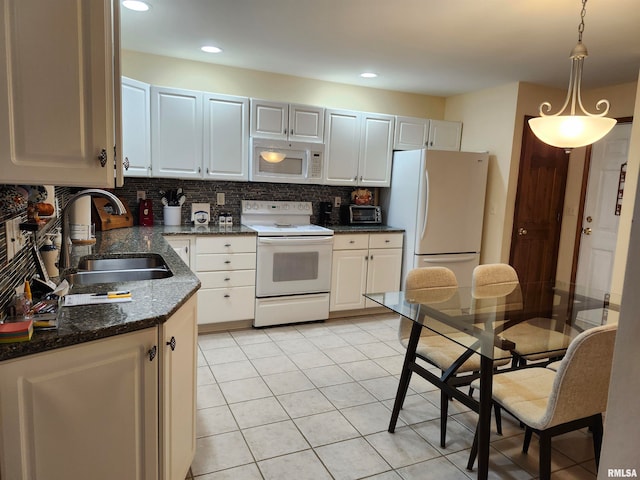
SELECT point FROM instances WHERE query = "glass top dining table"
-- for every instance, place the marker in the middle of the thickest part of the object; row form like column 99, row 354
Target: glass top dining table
column 494, row 322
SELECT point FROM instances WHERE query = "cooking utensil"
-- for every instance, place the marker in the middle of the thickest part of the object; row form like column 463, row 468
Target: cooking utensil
column 181, row 200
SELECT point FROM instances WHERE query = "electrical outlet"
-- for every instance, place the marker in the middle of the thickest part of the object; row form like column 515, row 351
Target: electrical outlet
column 220, row 198
column 16, row 239
column 336, row 201
column 141, row 195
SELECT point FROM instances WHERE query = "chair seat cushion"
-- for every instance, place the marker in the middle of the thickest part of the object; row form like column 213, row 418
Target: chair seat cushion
column 535, row 336
column 442, row 352
column 524, row 391
column 554, row 366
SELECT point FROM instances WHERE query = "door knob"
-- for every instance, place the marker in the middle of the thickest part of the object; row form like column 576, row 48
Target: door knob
column 522, row 231
column 586, row 231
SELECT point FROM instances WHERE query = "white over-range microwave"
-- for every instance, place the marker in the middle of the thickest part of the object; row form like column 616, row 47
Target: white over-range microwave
column 302, row 162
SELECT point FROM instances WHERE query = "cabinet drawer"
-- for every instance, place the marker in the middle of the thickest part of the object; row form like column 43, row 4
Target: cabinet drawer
column 350, row 242
column 219, row 261
column 385, row 240
column 226, row 244
column 217, row 305
column 222, row 279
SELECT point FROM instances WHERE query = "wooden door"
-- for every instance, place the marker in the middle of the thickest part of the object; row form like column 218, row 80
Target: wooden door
column 538, row 217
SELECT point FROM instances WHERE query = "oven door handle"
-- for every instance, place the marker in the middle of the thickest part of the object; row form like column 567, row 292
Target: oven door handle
column 295, row 240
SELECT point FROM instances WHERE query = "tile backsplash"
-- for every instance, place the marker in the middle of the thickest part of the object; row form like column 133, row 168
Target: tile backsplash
column 205, row 191
column 14, row 272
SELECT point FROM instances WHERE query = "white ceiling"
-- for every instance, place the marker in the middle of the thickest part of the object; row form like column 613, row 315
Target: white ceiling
column 435, row 47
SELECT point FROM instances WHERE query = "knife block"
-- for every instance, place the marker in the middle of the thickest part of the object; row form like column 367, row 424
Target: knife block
column 102, row 214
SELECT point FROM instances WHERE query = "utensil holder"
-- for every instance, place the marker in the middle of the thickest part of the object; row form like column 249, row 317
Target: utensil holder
column 172, row 215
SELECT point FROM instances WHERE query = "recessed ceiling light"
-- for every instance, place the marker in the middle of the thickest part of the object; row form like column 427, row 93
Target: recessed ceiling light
column 368, row 75
column 136, row 5
column 210, row 49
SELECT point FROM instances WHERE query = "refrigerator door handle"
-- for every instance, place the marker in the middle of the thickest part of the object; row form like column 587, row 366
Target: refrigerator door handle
column 425, row 191
column 452, row 259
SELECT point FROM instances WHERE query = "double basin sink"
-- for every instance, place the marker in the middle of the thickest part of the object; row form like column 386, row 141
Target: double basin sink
column 121, row 268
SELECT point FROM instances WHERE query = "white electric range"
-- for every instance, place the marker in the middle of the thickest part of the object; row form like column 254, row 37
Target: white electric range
column 293, row 267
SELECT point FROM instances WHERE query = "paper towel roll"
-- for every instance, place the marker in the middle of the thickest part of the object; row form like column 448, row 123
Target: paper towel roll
column 80, row 216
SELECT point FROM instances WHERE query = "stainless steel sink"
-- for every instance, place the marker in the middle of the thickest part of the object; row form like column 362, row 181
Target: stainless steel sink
column 122, row 263
column 119, row 269
column 113, row 276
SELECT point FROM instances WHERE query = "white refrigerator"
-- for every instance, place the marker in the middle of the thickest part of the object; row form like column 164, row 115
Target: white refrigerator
column 438, row 198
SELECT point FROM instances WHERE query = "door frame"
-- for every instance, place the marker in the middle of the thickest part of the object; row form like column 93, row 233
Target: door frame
column 583, row 196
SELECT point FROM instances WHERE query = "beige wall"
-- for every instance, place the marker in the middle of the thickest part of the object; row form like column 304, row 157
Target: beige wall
column 622, row 429
column 177, row 73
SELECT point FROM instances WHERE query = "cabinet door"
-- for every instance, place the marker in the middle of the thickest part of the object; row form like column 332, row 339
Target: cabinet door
column 342, row 147
column 182, row 246
column 410, row 133
column 136, row 128
column 226, row 137
column 269, row 119
column 87, row 411
column 57, row 92
column 444, row 135
column 376, row 148
column 306, row 123
column 178, row 340
column 348, row 279
column 176, row 133
column 383, row 274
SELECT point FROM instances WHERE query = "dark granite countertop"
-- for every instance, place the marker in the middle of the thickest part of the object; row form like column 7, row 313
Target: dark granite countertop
column 210, row 229
column 154, row 301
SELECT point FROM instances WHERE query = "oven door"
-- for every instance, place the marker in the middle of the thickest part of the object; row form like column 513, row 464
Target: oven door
column 293, row 265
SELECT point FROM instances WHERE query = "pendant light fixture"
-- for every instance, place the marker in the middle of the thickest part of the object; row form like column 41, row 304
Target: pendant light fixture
column 571, row 130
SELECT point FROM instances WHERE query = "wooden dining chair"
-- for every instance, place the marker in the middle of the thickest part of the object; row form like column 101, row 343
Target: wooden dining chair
column 438, row 285
column 551, row 403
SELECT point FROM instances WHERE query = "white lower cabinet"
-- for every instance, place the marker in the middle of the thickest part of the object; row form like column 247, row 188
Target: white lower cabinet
column 96, row 410
column 181, row 244
column 364, row 263
column 226, row 267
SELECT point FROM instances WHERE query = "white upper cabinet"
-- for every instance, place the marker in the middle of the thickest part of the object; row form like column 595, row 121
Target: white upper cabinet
column 58, row 89
column 226, row 137
column 199, row 135
column 358, row 148
column 411, row 133
column 282, row 121
column 445, row 135
column 136, row 128
column 176, row 133
column 376, row 150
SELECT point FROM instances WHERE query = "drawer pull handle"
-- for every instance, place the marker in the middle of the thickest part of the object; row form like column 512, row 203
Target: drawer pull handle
column 227, row 261
column 226, row 295
column 352, row 241
column 227, row 244
column 227, row 279
column 386, row 241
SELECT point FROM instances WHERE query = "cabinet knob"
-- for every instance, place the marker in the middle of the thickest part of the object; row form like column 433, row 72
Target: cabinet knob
column 172, row 343
column 126, row 163
column 102, row 156
column 352, row 241
column 152, row 353
column 387, row 241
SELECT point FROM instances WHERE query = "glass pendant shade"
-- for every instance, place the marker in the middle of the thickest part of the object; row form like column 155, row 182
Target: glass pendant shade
column 571, row 131
column 272, row 157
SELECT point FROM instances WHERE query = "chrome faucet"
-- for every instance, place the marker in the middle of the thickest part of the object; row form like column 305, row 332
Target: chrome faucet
column 65, row 249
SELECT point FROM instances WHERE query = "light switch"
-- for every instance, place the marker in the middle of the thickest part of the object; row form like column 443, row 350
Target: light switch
column 220, row 198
